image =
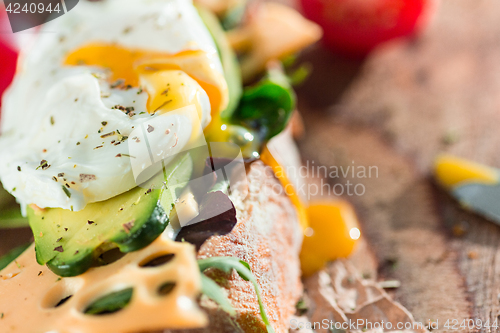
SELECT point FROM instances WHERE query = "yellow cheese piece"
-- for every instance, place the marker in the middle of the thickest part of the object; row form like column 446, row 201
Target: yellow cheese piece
column 451, row 171
column 29, row 294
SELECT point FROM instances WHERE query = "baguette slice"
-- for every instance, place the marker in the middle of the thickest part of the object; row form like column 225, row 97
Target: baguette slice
column 268, row 237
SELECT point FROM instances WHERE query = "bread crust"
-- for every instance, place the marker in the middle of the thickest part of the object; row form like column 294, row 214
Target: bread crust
column 267, row 236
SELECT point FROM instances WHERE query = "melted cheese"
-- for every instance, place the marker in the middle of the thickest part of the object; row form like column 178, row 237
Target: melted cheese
column 29, row 293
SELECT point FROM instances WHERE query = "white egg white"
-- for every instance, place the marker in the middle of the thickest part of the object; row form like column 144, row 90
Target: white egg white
column 67, row 116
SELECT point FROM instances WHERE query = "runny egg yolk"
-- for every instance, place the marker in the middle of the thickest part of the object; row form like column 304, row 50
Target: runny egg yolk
column 155, row 70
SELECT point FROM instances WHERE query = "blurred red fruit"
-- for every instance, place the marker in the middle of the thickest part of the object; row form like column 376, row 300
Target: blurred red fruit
column 355, row 27
column 8, row 53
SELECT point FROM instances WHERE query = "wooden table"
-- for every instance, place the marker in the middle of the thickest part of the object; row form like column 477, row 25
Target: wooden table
column 397, row 110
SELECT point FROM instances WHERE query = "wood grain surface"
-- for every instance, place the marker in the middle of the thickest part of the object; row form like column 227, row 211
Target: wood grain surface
column 397, row 110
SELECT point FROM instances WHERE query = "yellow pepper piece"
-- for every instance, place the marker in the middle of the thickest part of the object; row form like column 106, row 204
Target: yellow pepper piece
column 451, row 171
column 333, row 233
column 270, row 161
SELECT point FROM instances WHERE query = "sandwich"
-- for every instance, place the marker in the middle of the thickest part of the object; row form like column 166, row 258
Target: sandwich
column 144, row 142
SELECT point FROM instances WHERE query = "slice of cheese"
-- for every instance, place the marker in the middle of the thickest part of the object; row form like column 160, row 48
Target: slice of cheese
column 29, row 294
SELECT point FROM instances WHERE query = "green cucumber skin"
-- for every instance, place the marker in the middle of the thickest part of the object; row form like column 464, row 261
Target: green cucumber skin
column 74, row 268
column 147, row 233
column 137, row 239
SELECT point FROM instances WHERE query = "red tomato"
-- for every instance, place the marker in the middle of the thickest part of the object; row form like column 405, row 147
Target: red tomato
column 8, row 53
column 354, row 27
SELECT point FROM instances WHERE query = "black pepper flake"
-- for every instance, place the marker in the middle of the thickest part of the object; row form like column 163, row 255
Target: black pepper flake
column 59, row 239
column 54, row 178
column 66, row 191
column 165, row 91
column 150, row 128
column 59, row 249
column 78, row 143
column 60, row 174
column 40, row 273
column 87, row 177
column 67, row 185
column 90, row 222
column 18, row 168
column 128, row 226
column 104, row 123
column 76, row 99
column 158, row 108
column 148, row 191
column 76, row 252
column 44, row 165
column 65, row 229
column 98, row 147
column 117, row 83
column 108, row 134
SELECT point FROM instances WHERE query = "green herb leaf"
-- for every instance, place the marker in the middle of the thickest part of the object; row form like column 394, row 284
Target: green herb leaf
column 230, row 64
column 110, row 303
column 226, row 264
column 11, row 218
column 12, row 255
column 213, row 291
column 268, row 105
column 234, row 15
column 66, row 191
column 10, row 212
column 299, row 75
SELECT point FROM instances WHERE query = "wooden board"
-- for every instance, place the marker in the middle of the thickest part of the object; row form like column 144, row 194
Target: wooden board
column 397, row 110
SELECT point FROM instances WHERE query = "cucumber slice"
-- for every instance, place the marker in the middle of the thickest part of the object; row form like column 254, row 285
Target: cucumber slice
column 70, row 242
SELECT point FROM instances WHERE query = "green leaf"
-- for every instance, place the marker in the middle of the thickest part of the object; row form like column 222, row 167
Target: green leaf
column 226, row 264
column 299, row 75
column 267, row 106
column 230, row 65
column 213, row 291
column 12, row 255
column 10, row 212
column 234, row 15
column 110, row 303
column 11, row 218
